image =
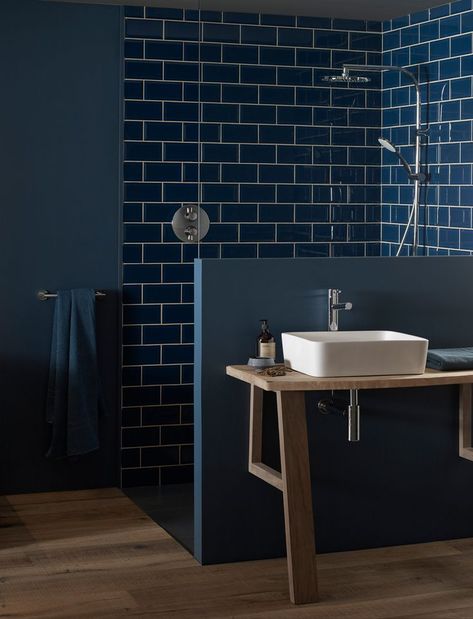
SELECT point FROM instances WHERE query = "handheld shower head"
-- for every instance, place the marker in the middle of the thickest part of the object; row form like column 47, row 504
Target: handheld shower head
column 392, row 148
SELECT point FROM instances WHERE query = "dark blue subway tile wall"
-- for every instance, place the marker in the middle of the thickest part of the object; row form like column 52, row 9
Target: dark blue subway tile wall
column 436, row 45
column 288, row 167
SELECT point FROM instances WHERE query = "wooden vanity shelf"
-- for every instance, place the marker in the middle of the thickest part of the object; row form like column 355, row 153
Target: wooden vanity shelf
column 294, row 478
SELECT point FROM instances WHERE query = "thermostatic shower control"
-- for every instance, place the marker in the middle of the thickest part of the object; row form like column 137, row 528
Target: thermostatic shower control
column 190, row 223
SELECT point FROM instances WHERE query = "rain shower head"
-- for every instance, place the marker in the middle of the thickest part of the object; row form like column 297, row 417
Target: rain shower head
column 346, row 78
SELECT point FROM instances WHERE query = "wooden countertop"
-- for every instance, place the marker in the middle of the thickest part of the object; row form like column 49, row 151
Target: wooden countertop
column 295, row 381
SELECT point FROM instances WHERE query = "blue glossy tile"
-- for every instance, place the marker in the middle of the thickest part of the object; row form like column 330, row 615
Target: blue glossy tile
column 367, row 41
column 134, row 49
column 295, row 233
column 142, row 69
column 159, row 13
column 162, row 252
column 143, row 29
column 439, row 49
column 181, row 111
column 349, row 24
column 296, row 37
column 312, row 135
column 313, row 57
column 314, row 22
column 276, row 213
column 294, row 154
column 276, row 174
column 181, row 192
column 278, row 20
column 220, row 112
column 143, row 151
column 132, row 212
column 134, row 11
column 181, row 31
column 449, row 68
column 276, row 250
column 264, row 35
column 221, row 33
column 460, row 88
column 257, row 153
column 178, row 273
column 348, row 136
column 258, row 75
column 132, row 130
column 238, row 172
column 241, row 54
column 330, row 116
column 239, row 212
column 179, row 353
column 241, row 18
column 312, row 174
column 141, row 273
column 257, row 193
column 164, row 50
column 132, row 253
column 312, row 96
column 276, row 134
column 277, row 56
column 331, row 39
column 239, row 94
column 460, row 45
column 348, row 98
column 466, row 110
column 181, row 71
column 239, row 133
column 312, row 213
column 240, row 250
column 460, row 6
column 220, row 152
column 205, row 52
column 294, row 193
column 162, row 293
column 180, row 152
column 392, row 40
column 295, row 76
column 466, row 21
column 132, row 171
column 221, row 73
column 264, row 114
column 161, row 131
column 277, row 95
column 162, row 172
column 257, row 233
column 219, row 192
column 330, row 154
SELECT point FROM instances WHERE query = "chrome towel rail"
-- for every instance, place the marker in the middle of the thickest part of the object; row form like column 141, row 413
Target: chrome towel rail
column 44, row 295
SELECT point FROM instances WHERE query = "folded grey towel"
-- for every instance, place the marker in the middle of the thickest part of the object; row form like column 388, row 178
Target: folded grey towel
column 445, row 359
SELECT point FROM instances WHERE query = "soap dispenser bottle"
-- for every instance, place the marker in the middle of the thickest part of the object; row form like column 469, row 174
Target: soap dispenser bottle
column 265, row 344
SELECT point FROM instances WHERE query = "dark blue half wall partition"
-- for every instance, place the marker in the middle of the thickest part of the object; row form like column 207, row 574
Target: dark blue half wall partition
column 404, row 482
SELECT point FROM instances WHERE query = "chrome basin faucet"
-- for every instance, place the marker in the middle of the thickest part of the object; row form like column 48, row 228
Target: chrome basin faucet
column 334, row 306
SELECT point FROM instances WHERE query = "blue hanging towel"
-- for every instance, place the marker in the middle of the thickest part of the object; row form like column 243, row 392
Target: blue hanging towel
column 74, row 395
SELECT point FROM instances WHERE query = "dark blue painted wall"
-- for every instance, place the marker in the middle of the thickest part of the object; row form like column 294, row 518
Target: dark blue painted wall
column 60, row 190
column 404, row 482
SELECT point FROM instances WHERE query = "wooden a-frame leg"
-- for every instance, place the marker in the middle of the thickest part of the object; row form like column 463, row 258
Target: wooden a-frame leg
column 296, row 487
column 464, row 429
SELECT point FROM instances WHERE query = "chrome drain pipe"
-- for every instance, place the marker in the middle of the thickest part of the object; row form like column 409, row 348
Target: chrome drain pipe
column 353, row 417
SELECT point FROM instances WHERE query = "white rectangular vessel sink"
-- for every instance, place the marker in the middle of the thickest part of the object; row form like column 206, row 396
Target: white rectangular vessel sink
column 354, row 353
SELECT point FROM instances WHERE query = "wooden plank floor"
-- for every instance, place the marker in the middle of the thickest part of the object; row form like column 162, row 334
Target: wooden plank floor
column 94, row 554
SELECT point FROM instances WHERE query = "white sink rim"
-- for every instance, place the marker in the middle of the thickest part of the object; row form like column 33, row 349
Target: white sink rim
column 354, row 353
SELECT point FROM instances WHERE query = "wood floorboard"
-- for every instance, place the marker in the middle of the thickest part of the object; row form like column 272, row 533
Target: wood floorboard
column 93, row 554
